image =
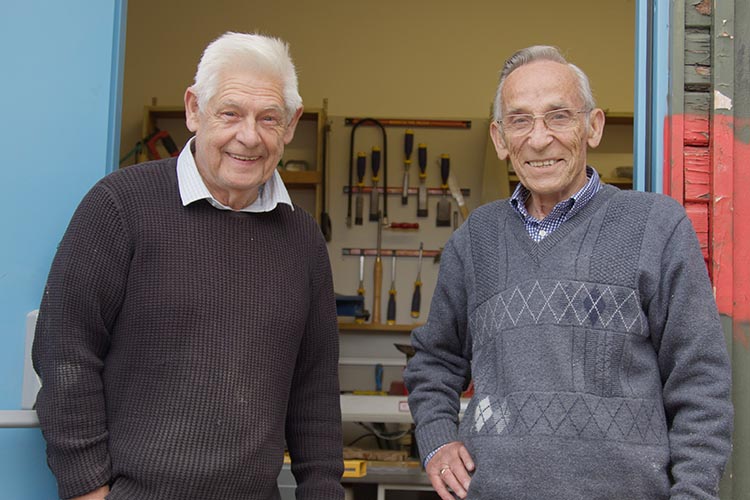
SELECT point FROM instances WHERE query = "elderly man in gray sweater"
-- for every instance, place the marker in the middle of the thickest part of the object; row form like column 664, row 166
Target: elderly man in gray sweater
column 584, row 315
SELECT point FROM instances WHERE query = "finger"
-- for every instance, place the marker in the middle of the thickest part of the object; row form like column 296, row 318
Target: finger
column 439, row 486
column 450, row 479
column 466, row 458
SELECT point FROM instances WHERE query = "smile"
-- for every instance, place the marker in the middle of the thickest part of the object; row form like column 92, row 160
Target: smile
column 244, row 158
column 545, row 163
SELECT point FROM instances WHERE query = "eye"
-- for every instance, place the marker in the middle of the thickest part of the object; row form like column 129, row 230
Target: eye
column 560, row 116
column 518, row 121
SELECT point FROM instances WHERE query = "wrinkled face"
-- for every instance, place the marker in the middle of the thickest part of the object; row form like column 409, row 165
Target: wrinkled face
column 550, row 164
column 239, row 135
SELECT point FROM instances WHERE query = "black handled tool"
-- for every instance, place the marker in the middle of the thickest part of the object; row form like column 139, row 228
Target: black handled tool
column 444, row 205
column 391, row 314
column 416, row 298
column 422, row 192
column 361, row 165
column 408, row 147
column 374, row 198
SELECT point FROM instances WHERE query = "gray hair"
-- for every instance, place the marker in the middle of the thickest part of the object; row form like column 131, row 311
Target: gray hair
column 541, row 53
column 264, row 54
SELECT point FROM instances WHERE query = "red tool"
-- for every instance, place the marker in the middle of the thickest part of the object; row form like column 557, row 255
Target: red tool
column 166, row 141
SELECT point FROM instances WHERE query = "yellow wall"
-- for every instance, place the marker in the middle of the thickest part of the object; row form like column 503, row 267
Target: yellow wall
column 387, row 58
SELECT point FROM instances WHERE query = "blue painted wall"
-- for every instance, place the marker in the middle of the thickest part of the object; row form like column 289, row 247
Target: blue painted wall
column 61, row 89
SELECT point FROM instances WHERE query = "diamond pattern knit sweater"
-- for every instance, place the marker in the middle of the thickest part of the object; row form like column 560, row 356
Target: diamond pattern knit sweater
column 172, row 342
column 599, row 363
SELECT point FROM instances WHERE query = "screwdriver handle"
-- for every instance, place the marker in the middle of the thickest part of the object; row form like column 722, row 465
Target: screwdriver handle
column 422, row 160
column 361, row 166
column 416, row 299
column 408, row 145
column 445, row 165
column 391, row 314
column 403, row 225
column 375, row 159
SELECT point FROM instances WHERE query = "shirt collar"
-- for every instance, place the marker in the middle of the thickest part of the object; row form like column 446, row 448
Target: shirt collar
column 571, row 205
column 192, row 188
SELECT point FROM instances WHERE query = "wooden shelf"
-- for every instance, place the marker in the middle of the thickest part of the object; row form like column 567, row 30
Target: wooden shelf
column 301, row 179
column 350, row 326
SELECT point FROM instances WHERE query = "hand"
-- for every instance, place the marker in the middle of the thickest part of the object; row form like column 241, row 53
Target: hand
column 97, row 494
column 450, row 468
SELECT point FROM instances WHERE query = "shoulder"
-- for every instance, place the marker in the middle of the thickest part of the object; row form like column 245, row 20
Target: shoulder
column 149, row 174
column 658, row 205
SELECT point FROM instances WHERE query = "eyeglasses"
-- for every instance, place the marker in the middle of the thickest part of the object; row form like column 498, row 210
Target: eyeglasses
column 557, row 120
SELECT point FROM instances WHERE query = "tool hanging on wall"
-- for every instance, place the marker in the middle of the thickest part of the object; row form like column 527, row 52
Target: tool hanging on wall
column 377, row 279
column 361, row 165
column 374, row 194
column 422, row 192
column 458, row 195
column 416, row 297
column 361, row 286
column 351, row 169
column 444, row 204
column 325, row 219
column 391, row 313
column 408, row 147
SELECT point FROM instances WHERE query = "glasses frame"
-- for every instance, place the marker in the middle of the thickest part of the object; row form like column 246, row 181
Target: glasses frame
column 544, row 117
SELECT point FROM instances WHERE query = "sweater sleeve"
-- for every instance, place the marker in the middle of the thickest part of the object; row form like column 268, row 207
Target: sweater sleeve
column 440, row 368
column 81, row 300
column 313, row 426
column 694, row 367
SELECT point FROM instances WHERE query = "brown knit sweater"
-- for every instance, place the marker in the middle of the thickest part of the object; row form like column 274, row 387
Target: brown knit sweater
column 179, row 346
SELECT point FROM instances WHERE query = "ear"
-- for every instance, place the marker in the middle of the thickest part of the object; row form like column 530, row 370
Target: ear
column 596, row 127
column 191, row 110
column 289, row 133
column 498, row 140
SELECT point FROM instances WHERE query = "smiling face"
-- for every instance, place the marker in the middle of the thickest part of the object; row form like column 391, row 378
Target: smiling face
column 240, row 135
column 550, row 164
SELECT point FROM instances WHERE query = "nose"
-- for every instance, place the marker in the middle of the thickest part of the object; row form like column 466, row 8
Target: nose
column 247, row 132
column 540, row 136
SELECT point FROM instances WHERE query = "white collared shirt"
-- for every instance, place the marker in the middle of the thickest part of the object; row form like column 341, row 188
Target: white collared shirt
column 192, row 187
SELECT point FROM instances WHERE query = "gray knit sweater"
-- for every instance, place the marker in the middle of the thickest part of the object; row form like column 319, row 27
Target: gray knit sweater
column 598, row 358
column 178, row 348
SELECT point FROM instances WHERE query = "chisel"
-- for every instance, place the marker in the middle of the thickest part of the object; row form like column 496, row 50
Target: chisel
column 374, row 198
column 391, row 314
column 416, row 298
column 361, row 287
column 422, row 192
column 361, row 165
column 408, row 147
column 377, row 278
column 444, row 205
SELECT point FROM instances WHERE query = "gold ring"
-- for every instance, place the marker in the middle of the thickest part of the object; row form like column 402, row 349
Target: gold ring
column 445, row 468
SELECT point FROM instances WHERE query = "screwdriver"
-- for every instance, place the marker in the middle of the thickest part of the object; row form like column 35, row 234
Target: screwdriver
column 361, row 287
column 374, row 195
column 361, row 164
column 408, row 146
column 391, row 315
column 422, row 192
column 416, row 298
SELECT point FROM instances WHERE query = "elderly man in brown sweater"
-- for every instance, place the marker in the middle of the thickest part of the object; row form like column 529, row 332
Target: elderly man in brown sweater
column 188, row 327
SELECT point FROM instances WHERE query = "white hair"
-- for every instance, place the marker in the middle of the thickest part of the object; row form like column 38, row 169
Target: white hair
column 264, row 54
column 541, row 53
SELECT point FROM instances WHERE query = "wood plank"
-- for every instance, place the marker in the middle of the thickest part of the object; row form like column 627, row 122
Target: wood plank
column 698, row 13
